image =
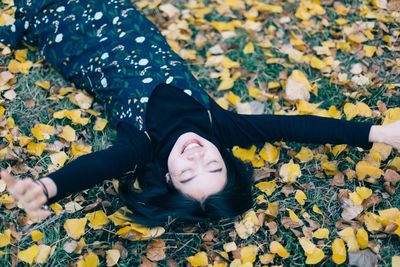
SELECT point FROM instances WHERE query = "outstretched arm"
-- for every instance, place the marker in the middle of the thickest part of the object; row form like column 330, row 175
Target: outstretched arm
column 245, row 130
column 131, row 149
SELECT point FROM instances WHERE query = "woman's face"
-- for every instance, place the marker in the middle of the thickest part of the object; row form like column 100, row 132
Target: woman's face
column 196, row 167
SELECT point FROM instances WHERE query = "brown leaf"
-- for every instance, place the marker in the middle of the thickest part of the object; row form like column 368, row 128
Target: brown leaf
column 363, row 258
column 371, row 201
column 208, row 236
column 172, row 263
column 122, row 250
column 262, row 173
column 394, row 5
column 147, row 263
column 389, row 188
column 391, row 176
column 155, row 250
column 338, row 179
column 273, row 227
column 350, row 211
column 289, row 224
column 287, row 190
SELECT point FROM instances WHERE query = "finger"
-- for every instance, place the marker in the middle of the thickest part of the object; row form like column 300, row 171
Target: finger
column 33, row 192
column 40, row 214
column 8, row 179
column 21, row 186
column 36, row 203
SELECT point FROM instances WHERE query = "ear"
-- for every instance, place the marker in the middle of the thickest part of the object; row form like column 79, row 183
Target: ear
column 167, row 177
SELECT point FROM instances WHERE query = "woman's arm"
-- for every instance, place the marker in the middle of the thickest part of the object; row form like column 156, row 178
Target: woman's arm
column 245, row 130
column 131, row 149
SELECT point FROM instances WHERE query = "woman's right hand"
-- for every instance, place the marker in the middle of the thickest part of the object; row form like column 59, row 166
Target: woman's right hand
column 388, row 134
column 29, row 194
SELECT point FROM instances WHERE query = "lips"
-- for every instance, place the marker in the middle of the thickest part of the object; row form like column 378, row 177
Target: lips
column 192, row 141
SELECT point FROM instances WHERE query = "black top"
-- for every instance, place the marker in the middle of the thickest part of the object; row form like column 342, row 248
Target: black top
column 172, row 112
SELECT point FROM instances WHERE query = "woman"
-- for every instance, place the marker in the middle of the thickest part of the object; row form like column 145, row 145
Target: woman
column 170, row 134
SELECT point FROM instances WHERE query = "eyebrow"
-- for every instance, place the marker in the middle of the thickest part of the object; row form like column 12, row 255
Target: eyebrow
column 191, row 178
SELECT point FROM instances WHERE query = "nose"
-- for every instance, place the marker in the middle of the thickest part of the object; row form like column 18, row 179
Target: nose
column 196, row 154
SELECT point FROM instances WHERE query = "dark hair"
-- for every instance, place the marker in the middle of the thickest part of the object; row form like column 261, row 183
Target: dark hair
column 159, row 201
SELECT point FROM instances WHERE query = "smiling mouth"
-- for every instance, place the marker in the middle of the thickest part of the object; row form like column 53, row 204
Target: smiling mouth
column 191, row 144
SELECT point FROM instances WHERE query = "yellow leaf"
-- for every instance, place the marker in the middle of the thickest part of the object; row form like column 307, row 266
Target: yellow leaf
column 231, row 246
column 297, row 86
column 396, row 261
column 248, row 254
column 75, row 228
column 267, row 187
column 317, row 256
column 363, row 192
column 357, row 38
column 317, row 210
column 28, row 255
column 316, row 63
column 43, row 254
column 289, row 172
column 305, row 154
column 244, row 154
column 339, row 254
column 5, row 238
column 321, row 233
column 362, row 238
column 74, row 115
column 371, row 222
column 330, row 167
column 248, row 225
column 350, row 110
column 276, row 248
column 43, row 84
column 97, row 219
column 90, row 260
column 293, row 215
column 257, row 94
column 341, row 21
column 273, row 209
column 270, row 153
column 199, row 259
column 42, row 131
column 347, row 234
column 81, row 99
column 369, row 50
column 314, row 254
column 36, row 235
column 269, row 8
column 21, row 55
column 24, row 140
column 113, row 256
column 300, row 197
column 249, row 48
column 57, row 208
column 391, row 115
column 227, row 83
column 80, row 149
column 226, row 26
column 36, row 149
column 363, row 110
column 365, row 168
column 17, row 67
column 59, row 158
column 336, row 150
column 68, row 134
column 355, row 198
column 388, row 215
column 100, row 124
column 232, row 98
